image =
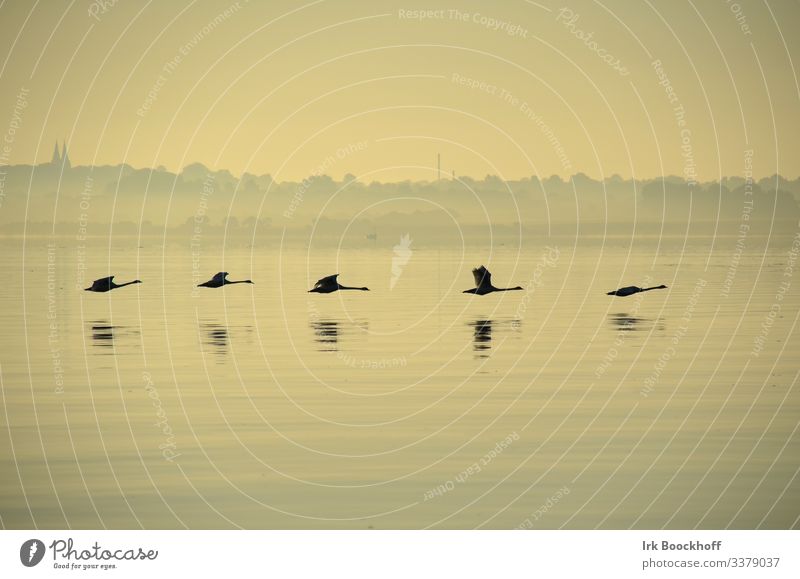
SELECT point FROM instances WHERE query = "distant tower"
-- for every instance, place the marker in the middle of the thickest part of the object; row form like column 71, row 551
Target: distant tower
column 454, row 174
column 56, row 160
column 65, row 156
column 439, row 166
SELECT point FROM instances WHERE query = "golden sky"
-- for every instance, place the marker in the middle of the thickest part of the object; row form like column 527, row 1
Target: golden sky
column 378, row 88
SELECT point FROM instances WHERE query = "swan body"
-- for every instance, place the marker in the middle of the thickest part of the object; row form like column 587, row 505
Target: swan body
column 483, row 283
column 220, row 280
column 632, row 289
column 330, row 284
column 106, row 284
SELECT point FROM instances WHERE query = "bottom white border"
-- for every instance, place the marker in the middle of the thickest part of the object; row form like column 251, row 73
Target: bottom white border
column 378, row 554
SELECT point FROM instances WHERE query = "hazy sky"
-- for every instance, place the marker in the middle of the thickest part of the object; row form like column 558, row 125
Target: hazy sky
column 377, row 89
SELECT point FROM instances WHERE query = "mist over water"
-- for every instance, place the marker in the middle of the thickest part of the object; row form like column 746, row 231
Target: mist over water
column 200, row 207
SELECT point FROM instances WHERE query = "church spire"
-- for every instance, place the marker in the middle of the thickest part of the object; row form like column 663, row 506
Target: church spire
column 56, row 160
column 65, row 156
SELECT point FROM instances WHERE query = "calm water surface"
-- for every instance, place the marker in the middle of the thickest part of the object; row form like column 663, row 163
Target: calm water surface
column 264, row 406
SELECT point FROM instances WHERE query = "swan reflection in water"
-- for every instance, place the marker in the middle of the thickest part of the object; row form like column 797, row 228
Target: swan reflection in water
column 326, row 334
column 482, row 333
column 104, row 335
column 624, row 322
column 482, row 337
column 218, row 337
column 328, row 331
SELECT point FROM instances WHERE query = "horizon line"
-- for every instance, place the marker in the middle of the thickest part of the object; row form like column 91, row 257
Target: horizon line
column 614, row 176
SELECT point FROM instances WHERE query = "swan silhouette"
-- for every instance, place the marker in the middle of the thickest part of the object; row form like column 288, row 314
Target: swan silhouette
column 632, row 289
column 483, row 283
column 329, row 285
column 220, row 280
column 106, row 284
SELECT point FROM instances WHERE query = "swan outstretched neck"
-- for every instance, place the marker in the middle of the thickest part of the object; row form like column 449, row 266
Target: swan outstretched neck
column 330, row 284
column 632, row 289
column 220, row 280
column 483, row 283
column 106, row 284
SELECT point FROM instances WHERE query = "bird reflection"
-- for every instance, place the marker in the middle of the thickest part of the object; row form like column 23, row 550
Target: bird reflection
column 104, row 335
column 482, row 337
column 624, row 322
column 326, row 334
column 218, row 337
column 482, row 330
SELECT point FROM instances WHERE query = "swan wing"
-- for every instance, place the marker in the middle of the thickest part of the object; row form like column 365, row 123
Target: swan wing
column 326, row 281
column 482, row 276
column 220, row 277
